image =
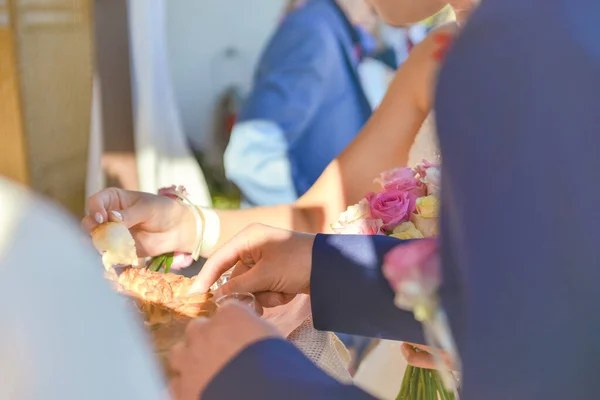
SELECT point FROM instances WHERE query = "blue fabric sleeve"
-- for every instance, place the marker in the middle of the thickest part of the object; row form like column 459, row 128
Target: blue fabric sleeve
column 275, row 369
column 256, row 160
column 290, row 82
column 349, row 293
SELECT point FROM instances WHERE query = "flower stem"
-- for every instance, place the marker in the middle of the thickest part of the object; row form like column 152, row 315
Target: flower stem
column 405, row 384
column 413, row 383
column 421, row 392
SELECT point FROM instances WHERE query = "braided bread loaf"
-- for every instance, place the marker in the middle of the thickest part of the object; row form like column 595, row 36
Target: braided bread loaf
column 161, row 298
column 164, row 304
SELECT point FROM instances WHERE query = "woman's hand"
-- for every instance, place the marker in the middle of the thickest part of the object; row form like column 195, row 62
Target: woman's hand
column 158, row 224
column 274, row 264
column 423, row 358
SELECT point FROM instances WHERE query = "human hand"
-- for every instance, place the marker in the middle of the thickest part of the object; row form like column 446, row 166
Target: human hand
column 158, row 224
column 274, row 264
column 209, row 345
column 423, row 358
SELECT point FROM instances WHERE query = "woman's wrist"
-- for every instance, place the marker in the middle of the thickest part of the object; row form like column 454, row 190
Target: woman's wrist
column 199, row 239
column 188, row 232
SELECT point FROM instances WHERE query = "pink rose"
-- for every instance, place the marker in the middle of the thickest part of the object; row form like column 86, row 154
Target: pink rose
column 181, row 261
column 364, row 226
column 412, row 185
column 413, row 271
column 392, row 206
column 396, row 174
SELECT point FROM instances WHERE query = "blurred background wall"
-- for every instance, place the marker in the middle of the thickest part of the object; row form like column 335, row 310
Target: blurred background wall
column 213, row 44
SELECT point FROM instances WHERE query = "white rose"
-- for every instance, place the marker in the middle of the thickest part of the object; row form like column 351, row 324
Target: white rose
column 433, row 181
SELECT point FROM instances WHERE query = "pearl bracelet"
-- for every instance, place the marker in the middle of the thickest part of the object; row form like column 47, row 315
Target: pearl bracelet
column 199, row 221
column 208, row 225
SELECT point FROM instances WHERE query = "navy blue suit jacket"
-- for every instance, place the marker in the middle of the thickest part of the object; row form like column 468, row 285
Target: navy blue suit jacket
column 519, row 124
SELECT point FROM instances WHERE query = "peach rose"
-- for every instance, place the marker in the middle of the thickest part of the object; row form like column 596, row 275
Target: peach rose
column 413, row 186
column 359, row 210
column 431, row 176
column 359, row 227
column 395, row 175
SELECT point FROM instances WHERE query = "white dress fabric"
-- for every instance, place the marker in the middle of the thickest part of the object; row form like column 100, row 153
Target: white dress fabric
column 65, row 334
column 163, row 154
column 381, row 372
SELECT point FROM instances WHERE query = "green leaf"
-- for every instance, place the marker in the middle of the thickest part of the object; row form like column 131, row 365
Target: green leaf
column 168, row 262
column 156, row 263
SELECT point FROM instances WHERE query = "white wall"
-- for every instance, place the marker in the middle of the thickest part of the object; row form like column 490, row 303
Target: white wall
column 199, row 32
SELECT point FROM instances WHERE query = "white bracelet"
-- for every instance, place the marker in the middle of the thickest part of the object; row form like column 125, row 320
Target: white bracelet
column 208, row 224
column 212, row 229
column 179, row 193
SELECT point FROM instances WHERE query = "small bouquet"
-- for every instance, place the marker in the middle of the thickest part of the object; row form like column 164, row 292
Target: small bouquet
column 413, row 270
column 173, row 260
column 407, row 207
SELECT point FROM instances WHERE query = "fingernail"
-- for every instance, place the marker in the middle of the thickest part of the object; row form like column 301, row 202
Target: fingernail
column 117, row 215
column 98, row 217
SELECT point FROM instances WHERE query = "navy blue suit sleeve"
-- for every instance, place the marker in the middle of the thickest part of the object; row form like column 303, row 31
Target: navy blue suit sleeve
column 349, row 293
column 518, row 119
column 275, row 369
column 290, row 82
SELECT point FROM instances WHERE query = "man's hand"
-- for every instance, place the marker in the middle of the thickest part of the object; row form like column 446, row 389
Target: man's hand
column 210, row 344
column 272, row 263
column 423, row 358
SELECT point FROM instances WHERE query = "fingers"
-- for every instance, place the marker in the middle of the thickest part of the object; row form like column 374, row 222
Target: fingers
column 115, row 205
column 416, row 358
column 239, row 269
column 220, row 262
column 249, row 282
column 273, row 299
column 423, row 358
column 99, row 204
column 247, row 246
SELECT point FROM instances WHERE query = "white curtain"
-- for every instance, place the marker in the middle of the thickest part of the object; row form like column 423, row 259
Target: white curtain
column 163, row 154
column 95, row 176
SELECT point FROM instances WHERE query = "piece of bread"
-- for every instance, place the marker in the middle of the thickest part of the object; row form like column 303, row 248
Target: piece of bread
column 161, row 298
column 164, row 306
column 114, row 241
column 157, row 291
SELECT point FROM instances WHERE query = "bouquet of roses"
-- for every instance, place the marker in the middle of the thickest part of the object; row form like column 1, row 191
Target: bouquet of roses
column 407, row 207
